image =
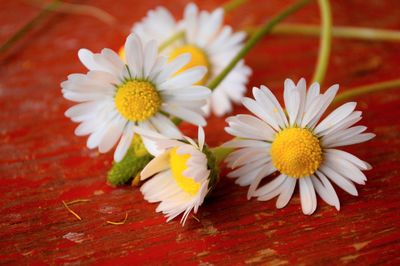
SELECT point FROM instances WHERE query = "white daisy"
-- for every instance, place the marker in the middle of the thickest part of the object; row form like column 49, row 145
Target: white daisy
column 116, row 98
column 210, row 43
column 297, row 146
column 183, row 175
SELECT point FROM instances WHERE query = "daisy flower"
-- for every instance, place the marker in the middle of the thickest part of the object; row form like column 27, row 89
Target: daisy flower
column 117, row 98
column 297, row 146
column 211, row 44
column 182, row 176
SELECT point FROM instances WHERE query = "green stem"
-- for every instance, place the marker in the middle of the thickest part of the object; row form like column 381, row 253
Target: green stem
column 221, row 153
column 366, row 34
column 325, row 41
column 233, row 4
column 375, row 87
column 177, row 36
column 28, row 26
column 255, row 38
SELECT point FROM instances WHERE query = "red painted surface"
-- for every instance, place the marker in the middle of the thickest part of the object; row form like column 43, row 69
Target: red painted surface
column 43, row 163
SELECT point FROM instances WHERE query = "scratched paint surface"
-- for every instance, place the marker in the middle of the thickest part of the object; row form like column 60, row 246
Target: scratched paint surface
column 43, row 163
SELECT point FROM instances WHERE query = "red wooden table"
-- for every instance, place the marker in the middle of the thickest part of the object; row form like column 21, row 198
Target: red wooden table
column 43, row 163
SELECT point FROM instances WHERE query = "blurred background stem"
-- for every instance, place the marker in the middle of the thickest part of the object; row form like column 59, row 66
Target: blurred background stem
column 325, row 41
column 367, row 89
column 233, row 4
column 28, row 26
column 255, row 38
column 345, row 32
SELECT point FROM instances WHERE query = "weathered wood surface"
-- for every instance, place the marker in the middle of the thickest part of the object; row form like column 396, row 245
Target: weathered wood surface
column 43, row 163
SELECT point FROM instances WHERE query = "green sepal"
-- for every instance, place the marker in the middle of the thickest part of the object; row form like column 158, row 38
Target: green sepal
column 131, row 165
column 212, row 165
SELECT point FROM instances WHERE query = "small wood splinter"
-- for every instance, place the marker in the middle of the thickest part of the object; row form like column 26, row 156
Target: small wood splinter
column 119, row 223
column 194, row 217
column 71, row 211
column 77, row 201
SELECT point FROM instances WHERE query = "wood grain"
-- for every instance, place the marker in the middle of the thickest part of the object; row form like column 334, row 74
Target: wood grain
column 43, row 163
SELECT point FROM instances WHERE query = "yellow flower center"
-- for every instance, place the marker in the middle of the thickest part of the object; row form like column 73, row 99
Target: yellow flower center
column 178, row 163
column 121, row 53
column 296, row 152
column 199, row 58
column 137, row 100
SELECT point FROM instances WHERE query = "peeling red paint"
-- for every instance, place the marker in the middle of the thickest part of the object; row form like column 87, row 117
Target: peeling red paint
column 43, row 163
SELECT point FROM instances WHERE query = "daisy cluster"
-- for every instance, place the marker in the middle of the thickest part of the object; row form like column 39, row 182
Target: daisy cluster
column 134, row 100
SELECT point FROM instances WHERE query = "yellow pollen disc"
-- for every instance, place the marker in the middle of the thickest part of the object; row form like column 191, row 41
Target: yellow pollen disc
column 199, row 58
column 137, row 100
column 178, row 163
column 296, row 152
column 121, row 53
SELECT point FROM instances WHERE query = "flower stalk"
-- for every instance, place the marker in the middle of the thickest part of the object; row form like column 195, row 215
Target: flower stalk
column 254, row 39
column 28, row 26
column 370, row 88
column 325, row 41
column 233, row 4
column 345, row 32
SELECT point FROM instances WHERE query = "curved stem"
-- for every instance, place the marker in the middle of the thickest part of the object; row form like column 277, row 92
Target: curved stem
column 325, row 41
column 375, row 87
column 177, row 36
column 255, row 38
column 28, row 26
column 233, row 4
column 360, row 33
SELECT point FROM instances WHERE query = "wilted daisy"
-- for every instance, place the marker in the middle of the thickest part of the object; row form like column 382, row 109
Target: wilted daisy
column 182, row 176
column 211, row 44
column 297, row 146
column 115, row 98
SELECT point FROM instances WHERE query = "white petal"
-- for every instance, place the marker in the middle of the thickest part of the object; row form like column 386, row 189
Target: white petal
column 200, row 138
column 192, row 93
column 124, row 143
column 271, row 186
column 185, row 114
column 336, row 116
column 339, row 180
column 302, row 89
column 166, row 126
column 253, row 107
column 86, row 57
column 346, row 169
column 173, row 67
column 327, row 98
column 184, row 79
column 307, row 195
column 292, row 100
column 235, row 143
column 350, row 157
column 190, row 18
column 158, row 164
column 325, row 190
column 112, row 134
column 251, row 126
column 150, row 57
column 354, row 140
column 134, row 55
column 287, row 191
column 343, row 124
column 277, row 108
column 263, row 172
